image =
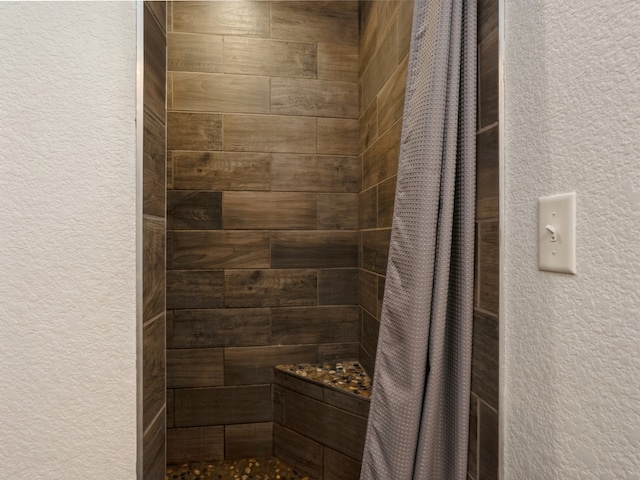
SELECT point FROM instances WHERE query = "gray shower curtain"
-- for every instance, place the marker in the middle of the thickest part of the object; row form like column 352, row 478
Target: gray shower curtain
column 419, row 419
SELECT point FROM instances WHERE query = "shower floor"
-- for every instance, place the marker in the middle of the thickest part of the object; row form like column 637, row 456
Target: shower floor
column 242, row 469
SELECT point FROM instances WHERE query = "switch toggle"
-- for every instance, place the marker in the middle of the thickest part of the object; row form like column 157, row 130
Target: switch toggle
column 557, row 233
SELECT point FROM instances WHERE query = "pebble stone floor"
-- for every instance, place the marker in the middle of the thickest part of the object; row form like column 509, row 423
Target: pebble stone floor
column 346, row 376
column 243, row 469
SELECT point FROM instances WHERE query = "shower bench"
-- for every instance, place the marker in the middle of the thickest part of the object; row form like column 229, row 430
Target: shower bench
column 320, row 418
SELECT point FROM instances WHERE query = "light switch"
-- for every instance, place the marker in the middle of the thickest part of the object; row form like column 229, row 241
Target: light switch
column 557, row 233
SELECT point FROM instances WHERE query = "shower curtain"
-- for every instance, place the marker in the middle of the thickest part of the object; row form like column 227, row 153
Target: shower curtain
column 419, row 420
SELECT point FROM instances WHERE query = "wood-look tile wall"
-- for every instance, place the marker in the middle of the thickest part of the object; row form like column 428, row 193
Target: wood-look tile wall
column 262, row 220
column 483, row 448
column 385, row 32
column 154, row 220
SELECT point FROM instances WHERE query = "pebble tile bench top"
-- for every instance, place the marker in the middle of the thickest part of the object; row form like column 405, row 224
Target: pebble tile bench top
column 243, row 469
column 349, row 377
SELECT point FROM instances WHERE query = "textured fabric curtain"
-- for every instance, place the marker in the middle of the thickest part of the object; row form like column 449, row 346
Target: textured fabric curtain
column 419, row 420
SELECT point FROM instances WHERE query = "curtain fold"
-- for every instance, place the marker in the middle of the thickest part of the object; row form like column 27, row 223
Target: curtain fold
column 419, row 417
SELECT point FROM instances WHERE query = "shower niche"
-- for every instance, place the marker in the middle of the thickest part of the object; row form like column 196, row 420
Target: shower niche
column 283, row 131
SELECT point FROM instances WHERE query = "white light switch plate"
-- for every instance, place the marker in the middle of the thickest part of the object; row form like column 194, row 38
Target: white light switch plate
column 557, row 233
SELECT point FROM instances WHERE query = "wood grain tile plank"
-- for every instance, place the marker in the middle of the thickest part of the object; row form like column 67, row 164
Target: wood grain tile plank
column 320, row 249
column 270, row 210
column 194, row 444
column 189, row 210
column 275, row 58
column 154, row 165
column 298, row 451
column 255, row 365
column 369, row 126
column 311, row 325
column 222, row 18
column 488, row 80
column 155, row 71
column 488, row 266
column 368, row 34
column 348, row 402
column 484, row 372
column 337, row 352
column 170, row 409
column 270, row 288
column 222, row 327
column 338, row 136
column 368, row 291
column 153, row 267
column 153, row 449
column 320, row 22
column 337, row 62
column 375, row 250
column 153, row 369
column 194, row 131
column 370, row 329
column 405, row 24
column 211, row 92
column 381, row 285
column 487, row 191
column 487, row 18
column 386, row 201
column 248, row 440
column 194, row 289
column 488, row 442
column 220, row 249
column 337, row 211
column 339, row 467
column 368, row 208
column 320, row 98
column 159, row 10
column 380, row 162
column 222, row 405
column 195, row 53
column 298, row 384
column 391, row 97
column 314, row 173
column 381, row 67
column 221, row 171
column 472, row 465
column 199, row 367
column 280, row 134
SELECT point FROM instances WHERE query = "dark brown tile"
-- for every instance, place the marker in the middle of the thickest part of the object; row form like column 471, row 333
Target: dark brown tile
column 170, row 409
column 275, row 58
column 488, row 442
column 405, row 23
column 254, row 365
column 195, row 53
column 153, row 267
column 386, row 202
column 370, row 329
column 369, row 291
column 488, row 265
column 222, row 405
column 487, row 18
column 270, row 210
column 380, row 162
column 222, row 327
column 314, row 173
column 337, row 211
column 320, row 249
column 199, row 367
column 320, row 98
column 488, row 79
column 169, row 328
column 189, row 210
column 194, row 289
column 339, row 467
column 154, row 166
column 381, row 284
column 330, row 426
column 153, row 370
column 212, row 92
column 169, row 177
column 222, row 18
column 367, row 361
column 221, row 171
column 270, row 288
column 153, row 450
column 159, row 11
column 220, row 249
column 297, row 451
column 248, row 440
column 298, row 384
column 337, row 352
column 278, row 404
column 338, row 62
column 264, row 133
column 484, row 377
column 375, row 250
column 369, row 126
column 194, row 131
column 368, row 34
column 368, row 208
column 338, row 287
column 320, row 22
column 291, row 326
column 381, row 67
column 155, row 58
column 355, row 404
column 338, row 136
column 195, row 444
column 472, row 462
column 391, row 97
column 487, row 193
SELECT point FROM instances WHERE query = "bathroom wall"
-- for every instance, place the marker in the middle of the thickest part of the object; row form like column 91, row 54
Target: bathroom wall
column 153, row 241
column 68, row 250
column 385, row 34
column 483, row 442
column 262, row 211
column 571, row 359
